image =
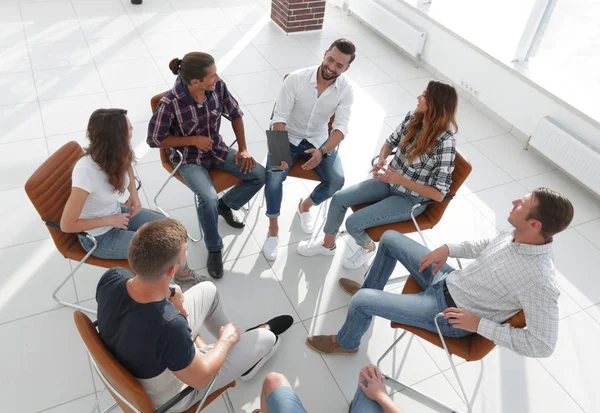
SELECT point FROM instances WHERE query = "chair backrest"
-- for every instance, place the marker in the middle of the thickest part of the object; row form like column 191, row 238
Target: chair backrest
column 49, row 188
column 462, row 169
column 114, row 373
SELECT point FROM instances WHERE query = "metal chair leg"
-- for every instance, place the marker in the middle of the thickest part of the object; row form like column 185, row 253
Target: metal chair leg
column 71, row 275
column 206, row 394
column 95, row 408
column 399, row 386
column 228, row 403
column 109, row 408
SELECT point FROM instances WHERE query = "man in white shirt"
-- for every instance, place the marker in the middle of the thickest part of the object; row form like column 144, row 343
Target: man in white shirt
column 512, row 271
column 308, row 99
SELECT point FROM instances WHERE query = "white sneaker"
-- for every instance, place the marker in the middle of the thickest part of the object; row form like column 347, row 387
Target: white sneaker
column 262, row 361
column 360, row 258
column 314, row 247
column 270, row 248
column 306, row 220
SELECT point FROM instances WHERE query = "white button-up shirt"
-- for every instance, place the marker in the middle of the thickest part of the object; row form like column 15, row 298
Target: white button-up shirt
column 505, row 278
column 305, row 114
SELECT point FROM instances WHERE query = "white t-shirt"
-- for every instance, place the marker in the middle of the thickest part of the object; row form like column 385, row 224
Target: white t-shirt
column 103, row 199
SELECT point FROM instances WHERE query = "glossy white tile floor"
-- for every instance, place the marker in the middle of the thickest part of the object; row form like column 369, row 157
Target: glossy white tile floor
column 60, row 60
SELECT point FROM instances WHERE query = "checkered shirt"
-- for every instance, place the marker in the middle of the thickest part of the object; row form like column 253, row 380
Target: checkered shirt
column 178, row 114
column 431, row 168
column 507, row 277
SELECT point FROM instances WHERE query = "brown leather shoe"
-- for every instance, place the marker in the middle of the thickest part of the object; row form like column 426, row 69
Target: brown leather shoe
column 349, row 286
column 327, row 345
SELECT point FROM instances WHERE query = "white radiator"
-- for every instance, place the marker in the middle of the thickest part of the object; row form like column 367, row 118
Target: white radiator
column 390, row 26
column 568, row 152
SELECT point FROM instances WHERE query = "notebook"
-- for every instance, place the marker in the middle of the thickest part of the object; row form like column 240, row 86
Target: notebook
column 279, row 147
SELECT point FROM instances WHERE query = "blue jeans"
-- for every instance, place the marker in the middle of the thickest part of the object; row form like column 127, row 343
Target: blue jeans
column 112, row 245
column 285, row 400
column 386, row 208
column 330, row 171
column 416, row 310
column 198, row 180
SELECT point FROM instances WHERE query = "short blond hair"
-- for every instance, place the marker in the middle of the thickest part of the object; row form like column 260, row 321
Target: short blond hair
column 155, row 248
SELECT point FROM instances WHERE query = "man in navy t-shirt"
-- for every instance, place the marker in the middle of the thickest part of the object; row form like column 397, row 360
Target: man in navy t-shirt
column 153, row 329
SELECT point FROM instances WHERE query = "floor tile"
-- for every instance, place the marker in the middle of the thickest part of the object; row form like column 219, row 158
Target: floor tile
column 21, row 122
column 253, row 131
column 573, row 257
column 301, row 366
column 591, row 231
column 585, row 204
column 83, row 80
column 55, row 11
column 574, row 362
column 55, row 142
column 19, row 160
column 60, row 54
column 366, row 73
column 53, row 31
column 136, row 101
column 157, row 23
column 150, row 7
column 32, row 272
column 346, row 25
column 512, row 383
column 83, row 404
column 399, row 67
column 245, row 14
column 392, row 98
column 371, row 45
column 507, row 152
column 10, row 14
column 210, row 17
column 219, row 38
column 107, row 26
column 17, row 88
column 143, row 153
column 59, row 358
column 416, row 87
column 485, row 174
column 262, row 113
column 20, row 221
column 129, row 74
column 175, row 194
column 66, row 115
column 246, row 60
column 171, row 43
column 14, row 60
column 11, row 34
column 271, row 33
column 474, row 125
column 496, row 203
column 281, row 56
column 436, row 387
column 257, row 87
column 116, row 49
column 96, row 8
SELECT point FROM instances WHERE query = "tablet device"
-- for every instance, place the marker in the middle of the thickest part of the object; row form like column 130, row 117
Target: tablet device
column 279, row 147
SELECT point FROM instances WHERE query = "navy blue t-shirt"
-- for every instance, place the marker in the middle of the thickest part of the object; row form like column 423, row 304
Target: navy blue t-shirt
column 145, row 338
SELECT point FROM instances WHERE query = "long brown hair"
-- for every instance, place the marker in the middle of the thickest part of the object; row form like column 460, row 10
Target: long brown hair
column 193, row 66
column 442, row 101
column 108, row 132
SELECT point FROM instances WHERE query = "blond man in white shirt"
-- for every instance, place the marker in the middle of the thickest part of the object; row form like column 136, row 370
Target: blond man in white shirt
column 308, row 99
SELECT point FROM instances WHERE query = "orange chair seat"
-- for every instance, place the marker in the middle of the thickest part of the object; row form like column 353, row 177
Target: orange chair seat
column 405, row 227
column 297, row 172
column 470, row 348
column 76, row 252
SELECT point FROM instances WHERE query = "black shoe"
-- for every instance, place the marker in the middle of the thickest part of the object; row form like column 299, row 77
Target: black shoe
column 215, row 264
column 136, row 1
column 278, row 325
column 231, row 219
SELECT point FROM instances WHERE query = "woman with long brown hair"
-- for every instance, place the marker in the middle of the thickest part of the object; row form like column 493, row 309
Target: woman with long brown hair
column 421, row 170
column 99, row 178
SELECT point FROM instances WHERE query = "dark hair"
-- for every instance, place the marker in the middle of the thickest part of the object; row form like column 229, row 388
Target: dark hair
column 553, row 210
column 442, row 101
column 108, row 132
column 155, row 248
column 345, row 46
column 193, row 66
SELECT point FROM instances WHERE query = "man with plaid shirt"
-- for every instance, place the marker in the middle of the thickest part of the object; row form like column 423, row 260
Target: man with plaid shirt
column 188, row 119
column 512, row 271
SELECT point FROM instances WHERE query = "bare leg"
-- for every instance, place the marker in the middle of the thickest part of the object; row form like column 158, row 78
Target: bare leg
column 306, row 204
column 273, row 227
column 272, row 381
column 328, row 241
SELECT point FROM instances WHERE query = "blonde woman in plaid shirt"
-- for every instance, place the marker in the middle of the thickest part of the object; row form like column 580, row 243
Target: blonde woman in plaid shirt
column 420, row 170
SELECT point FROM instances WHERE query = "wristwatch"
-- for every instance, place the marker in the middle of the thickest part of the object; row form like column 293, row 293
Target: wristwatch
column 173, row 290
column 323, row 152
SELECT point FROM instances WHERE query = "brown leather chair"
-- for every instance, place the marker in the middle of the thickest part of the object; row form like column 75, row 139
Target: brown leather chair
column 123, row 387
column 221, row 180
column 48, row 189
column 434, row 211
column 470, row 348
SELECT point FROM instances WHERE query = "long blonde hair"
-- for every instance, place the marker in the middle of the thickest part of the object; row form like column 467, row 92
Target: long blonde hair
column 442, row 101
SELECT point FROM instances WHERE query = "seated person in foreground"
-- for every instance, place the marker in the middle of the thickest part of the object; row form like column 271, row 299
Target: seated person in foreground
column 153, row 329
column 421, row 170
column 99, row 179
column 188, row 119
column 308, row 99
column 370, row 397
column 512, row 271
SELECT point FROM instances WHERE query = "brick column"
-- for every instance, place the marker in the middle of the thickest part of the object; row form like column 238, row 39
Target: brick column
column 298, row 15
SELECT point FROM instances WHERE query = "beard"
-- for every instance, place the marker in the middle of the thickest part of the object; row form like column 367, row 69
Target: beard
column 327, row 77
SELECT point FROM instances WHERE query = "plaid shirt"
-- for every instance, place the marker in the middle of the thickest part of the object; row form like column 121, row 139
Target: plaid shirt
column 431, row 168
column 507, row 277
column 178, row 114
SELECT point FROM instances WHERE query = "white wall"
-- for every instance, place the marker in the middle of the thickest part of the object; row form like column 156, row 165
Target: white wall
column 502, row 90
